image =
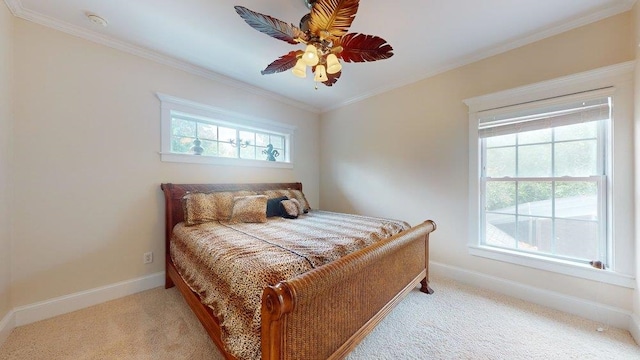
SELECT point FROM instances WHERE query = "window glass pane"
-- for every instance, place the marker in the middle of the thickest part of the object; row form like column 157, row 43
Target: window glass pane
column 277, row 141
column 226, row 134
column 501, row 196
column 534, row 233
column 532, row 137
column 207, row 131
column 576, row 200
column 501, row 162
column 260, row 151
column 181, row 144
column 587, row 130
column 543, row 209
column 504, row 140
column 576, row 158
column 500, row 230
column 534, row 160
column 576, row 239
column 248, row 152
column 262, row 139
column 227, row 150
column 535, row 198
column 247, row 136
column 182, row 127
column 210, row 147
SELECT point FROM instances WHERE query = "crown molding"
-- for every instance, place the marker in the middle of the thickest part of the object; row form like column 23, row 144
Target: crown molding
column 16, row 8
column 619, row 8
column 599, row 78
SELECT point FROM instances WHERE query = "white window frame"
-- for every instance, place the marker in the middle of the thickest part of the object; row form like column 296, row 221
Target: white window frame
column 171, row 105
column 620, row 230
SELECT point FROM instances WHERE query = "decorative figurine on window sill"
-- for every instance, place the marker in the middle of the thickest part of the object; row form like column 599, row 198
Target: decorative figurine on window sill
column 197, row 149
column 271, row 154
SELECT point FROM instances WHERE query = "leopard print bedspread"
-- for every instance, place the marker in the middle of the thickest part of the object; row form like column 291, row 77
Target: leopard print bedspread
column 228, row 264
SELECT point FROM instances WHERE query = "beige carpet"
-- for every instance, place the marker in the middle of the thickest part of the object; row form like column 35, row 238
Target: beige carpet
column 456, row 322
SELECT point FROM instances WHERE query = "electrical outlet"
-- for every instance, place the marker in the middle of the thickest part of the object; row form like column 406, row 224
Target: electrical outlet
column 147, row 258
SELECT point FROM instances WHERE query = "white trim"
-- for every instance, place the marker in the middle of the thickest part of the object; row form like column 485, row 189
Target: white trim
column 7, row 325
column 171, row 104
column 214, row 160
column 554, row 265
column 16, row 8
column 619, row 78
column 65, row 304
column 587, row 80
column 634, row 327
column 205, row 110
column 615, row 317
column 621, row 7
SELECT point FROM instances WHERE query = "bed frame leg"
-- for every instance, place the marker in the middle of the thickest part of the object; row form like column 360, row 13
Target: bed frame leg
column 425, row 288
column 168, row 283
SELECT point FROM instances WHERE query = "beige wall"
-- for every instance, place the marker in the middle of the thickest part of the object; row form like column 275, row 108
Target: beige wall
column 404, row 153
column 87, row 134
column 636, row 19
column 6, row 121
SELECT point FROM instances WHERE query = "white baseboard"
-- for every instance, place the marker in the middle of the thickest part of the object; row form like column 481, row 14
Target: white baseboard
column 591, row 310
column 616, row 317
column 7, row 324
column 68, row 303
column 634, row 327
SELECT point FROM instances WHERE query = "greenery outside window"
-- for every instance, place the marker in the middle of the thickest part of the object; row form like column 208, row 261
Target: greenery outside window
column 551, row 176
column 543, row 176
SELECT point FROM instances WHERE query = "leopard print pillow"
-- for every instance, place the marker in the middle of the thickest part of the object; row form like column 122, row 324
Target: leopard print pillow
column 289, row 208
column 200, row 207
column 249, row 209
column 291, row 194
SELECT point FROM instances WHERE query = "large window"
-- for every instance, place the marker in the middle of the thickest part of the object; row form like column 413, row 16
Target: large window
column 544, row 180
column 198, row 133
column 551, row 175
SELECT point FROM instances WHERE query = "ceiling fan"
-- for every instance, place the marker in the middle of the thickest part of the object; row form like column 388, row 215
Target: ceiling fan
column 324, row 31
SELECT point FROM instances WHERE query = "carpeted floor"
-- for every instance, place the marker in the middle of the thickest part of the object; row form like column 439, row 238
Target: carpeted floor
column 456, row 322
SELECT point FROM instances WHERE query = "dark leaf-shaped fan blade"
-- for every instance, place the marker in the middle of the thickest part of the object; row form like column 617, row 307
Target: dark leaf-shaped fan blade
column 271, row 26
column 332, row 78
column 360, row 48
column 283, row 63
column 332, row 18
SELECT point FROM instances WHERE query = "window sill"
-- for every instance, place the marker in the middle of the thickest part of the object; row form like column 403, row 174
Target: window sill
column 553, row 265
column 198, row 159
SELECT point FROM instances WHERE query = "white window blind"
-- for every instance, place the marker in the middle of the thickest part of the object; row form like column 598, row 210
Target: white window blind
column 553, row 116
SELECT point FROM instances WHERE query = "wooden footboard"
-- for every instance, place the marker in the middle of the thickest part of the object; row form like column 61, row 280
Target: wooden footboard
column 323, row 313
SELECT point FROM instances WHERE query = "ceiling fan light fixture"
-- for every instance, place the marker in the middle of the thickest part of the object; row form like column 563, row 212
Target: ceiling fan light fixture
column 311, row 55
column 324, row 34
column 300, row 70
column 320, row 74
column 333, row 64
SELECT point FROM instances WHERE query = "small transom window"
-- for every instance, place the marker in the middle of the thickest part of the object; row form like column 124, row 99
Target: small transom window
column 198, row 133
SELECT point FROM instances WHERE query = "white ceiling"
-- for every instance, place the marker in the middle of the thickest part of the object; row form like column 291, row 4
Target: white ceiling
column 207, row 37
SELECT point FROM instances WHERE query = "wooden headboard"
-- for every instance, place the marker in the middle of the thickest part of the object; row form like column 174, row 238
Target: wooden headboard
column 173, row 194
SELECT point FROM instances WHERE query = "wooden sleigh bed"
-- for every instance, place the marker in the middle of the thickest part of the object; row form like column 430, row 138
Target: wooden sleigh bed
column 325, row 312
